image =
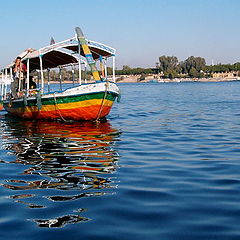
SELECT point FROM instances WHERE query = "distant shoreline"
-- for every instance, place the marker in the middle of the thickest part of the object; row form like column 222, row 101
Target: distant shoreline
column 135, row 79
column 154, row 78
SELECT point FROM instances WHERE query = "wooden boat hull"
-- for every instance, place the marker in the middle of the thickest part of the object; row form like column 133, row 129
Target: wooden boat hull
column 86, row 102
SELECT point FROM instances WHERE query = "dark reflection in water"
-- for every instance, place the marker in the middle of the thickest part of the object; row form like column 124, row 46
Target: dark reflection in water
column 77, row 157
column 60, row 221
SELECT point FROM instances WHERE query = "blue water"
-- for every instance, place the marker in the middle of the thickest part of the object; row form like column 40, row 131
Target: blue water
column 165, row 165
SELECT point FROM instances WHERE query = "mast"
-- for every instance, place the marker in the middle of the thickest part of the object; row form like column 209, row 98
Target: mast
column 92, row 63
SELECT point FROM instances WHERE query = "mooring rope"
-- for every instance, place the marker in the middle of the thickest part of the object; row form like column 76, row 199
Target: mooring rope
column 101, row 108
column 58, row 108
column 99, row 112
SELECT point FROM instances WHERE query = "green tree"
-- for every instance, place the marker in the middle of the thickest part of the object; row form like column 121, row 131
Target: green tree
column 198, row 63
column 171, row 74
column 193, row 73
column 168, row 63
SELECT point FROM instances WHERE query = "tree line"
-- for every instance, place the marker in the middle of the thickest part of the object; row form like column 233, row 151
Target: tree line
column 171, row 67
column 192, row 67
column 167, row 66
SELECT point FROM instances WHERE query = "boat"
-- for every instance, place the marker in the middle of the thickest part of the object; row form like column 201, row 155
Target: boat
column 4, row 85
column 153, row 81
column 82, row 100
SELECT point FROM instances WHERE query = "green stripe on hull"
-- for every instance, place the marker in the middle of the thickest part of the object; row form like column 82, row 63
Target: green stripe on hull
column 66, row 99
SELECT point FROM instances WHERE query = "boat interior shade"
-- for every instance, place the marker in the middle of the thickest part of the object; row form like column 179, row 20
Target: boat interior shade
column 51, row 59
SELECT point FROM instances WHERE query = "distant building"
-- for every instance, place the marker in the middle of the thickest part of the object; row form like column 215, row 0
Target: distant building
column 226, row 75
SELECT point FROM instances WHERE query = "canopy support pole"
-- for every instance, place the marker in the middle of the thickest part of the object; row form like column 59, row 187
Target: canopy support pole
column 38, row 78
column 3, row 82
column 48, row 71
column 5, row 77
column 4, row 86
column 2, row 89
column 73, row 72
column 113, row 76
column 60, row 77
column 11, row 75
column 79, row 65
column 1, row 85
column 85, row 72
column 5, row 93
column 105, row 68
column 28, row 64
column 41, row 72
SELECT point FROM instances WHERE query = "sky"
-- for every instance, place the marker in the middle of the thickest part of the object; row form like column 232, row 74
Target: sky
column 140, row 30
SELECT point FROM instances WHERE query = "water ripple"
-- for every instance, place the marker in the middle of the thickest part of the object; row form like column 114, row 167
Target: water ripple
column 164, row 166
column 59, row 156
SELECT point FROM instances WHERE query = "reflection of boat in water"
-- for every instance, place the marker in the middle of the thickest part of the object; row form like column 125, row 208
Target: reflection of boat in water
column 61, row 156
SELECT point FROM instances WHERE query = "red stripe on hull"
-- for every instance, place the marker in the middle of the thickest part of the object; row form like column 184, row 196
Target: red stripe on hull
column 81, row 113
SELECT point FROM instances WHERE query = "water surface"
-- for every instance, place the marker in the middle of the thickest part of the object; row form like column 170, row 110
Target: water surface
column 165, row 165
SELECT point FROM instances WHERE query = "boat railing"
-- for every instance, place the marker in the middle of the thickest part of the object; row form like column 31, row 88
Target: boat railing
column 77, row 63
column 5, row 82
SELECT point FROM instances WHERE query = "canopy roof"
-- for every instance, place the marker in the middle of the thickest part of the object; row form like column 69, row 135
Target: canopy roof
column 72, row 44
column 62, row 53
column 50, row 59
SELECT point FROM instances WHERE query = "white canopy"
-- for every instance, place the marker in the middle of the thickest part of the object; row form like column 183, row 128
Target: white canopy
column 62, row 53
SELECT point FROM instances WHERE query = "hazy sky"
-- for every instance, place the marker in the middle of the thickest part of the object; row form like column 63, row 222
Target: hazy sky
column 140, row 30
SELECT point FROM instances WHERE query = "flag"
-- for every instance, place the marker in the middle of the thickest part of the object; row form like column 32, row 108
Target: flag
column 52, row 41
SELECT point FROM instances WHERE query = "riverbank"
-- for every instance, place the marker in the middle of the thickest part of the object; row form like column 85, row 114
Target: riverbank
column 152, row 78
column 155, row 78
